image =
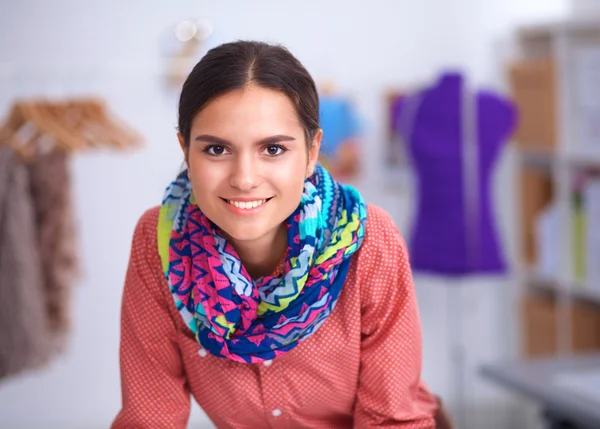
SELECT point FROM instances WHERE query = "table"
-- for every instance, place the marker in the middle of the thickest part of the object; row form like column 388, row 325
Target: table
column 568, row 388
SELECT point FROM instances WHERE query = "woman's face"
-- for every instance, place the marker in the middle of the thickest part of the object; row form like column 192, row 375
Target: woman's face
column 248, row 160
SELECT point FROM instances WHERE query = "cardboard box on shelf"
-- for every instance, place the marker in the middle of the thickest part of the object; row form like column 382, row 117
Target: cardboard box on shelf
column 533, row 88
column 540, row 326
column 586, row 326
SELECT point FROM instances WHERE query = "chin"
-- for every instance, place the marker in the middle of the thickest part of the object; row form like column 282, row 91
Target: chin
column 243, row 232
column 247, row 236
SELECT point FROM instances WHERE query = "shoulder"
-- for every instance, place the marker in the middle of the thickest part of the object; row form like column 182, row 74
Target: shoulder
column 382, row 236
column 145, row 235
column 382, row 266
column 145, row 270
column 379, row 221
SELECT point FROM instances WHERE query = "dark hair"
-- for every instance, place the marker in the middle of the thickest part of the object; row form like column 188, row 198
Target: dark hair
column 234, row 65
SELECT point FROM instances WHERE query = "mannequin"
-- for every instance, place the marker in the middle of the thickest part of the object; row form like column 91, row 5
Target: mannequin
column 453, row 138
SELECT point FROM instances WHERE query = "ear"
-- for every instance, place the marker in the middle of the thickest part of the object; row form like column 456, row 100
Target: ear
column 182, row 145
column 313, row 153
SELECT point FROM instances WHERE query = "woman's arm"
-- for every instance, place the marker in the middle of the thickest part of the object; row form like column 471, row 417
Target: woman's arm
column 390, row 392
column 153, row 383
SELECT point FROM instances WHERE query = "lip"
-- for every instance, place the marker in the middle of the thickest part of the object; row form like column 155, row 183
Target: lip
column 245, row 200
column 246, row 212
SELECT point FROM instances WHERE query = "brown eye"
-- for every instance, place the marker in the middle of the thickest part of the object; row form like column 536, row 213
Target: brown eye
column 215, row 150
column 274, row 150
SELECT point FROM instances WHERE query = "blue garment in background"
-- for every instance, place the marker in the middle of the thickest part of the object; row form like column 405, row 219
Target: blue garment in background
column 338, row 121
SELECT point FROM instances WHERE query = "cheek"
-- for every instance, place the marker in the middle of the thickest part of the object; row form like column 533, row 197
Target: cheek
column 293, row 170
column 289, row 183
column 204, row 181
column 203, row 171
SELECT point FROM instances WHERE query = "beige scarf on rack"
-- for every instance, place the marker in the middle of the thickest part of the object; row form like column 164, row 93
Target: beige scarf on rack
column 38, row 262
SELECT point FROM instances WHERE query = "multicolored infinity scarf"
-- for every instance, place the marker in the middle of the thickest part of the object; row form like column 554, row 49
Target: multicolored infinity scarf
column 237, row 318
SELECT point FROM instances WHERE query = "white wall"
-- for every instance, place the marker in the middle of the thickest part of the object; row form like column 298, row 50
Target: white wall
column 363, row 46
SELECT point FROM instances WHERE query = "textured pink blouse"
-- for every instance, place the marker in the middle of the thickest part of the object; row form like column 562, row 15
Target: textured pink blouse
column 361, row 369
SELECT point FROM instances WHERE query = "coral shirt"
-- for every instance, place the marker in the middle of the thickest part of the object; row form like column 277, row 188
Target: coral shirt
column 360, row 369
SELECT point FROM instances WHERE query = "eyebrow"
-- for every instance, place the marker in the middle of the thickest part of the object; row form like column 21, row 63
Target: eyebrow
column 267, row 140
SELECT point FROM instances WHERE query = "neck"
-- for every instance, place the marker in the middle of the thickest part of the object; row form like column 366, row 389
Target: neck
column 262, row 256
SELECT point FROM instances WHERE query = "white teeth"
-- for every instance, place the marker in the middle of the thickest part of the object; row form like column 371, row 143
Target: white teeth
column 246, row 205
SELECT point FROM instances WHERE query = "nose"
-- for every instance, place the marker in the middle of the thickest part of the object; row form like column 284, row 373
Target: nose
column 245, row 174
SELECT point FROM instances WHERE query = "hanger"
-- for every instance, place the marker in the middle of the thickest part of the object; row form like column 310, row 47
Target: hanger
column 18, row 131
column 65, row 124
column 103, row 126
column 81, row 121
column 27, row 123
column 40, row 125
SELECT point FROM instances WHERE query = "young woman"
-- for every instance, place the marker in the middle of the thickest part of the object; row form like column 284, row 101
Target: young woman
column 272, row 294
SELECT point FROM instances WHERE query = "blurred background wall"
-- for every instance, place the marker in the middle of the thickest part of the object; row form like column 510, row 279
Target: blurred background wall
column 113, row 48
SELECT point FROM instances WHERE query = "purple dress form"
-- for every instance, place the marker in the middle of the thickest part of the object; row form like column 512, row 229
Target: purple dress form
column 454, row 140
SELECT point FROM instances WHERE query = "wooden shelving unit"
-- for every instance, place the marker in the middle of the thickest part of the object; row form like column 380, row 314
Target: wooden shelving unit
column 560, row 314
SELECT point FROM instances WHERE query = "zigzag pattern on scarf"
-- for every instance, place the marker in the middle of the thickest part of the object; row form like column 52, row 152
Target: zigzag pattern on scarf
column 235, row 317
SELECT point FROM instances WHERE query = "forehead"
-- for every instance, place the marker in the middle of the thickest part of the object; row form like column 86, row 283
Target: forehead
column 252, row 108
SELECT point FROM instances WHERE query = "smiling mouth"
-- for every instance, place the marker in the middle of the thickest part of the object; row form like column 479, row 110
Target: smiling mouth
column 246, row 205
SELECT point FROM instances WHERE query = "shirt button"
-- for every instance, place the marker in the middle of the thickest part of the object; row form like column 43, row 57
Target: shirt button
column 267, row 362
column 202, row 353
column 276, row 413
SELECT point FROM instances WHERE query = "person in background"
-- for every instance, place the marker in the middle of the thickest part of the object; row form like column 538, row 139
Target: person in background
column 274, row 295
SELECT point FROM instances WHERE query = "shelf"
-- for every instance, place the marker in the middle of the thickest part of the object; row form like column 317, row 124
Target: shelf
column 576, row 290
column 575, row 24
column 545, row 158
column 582, row 160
